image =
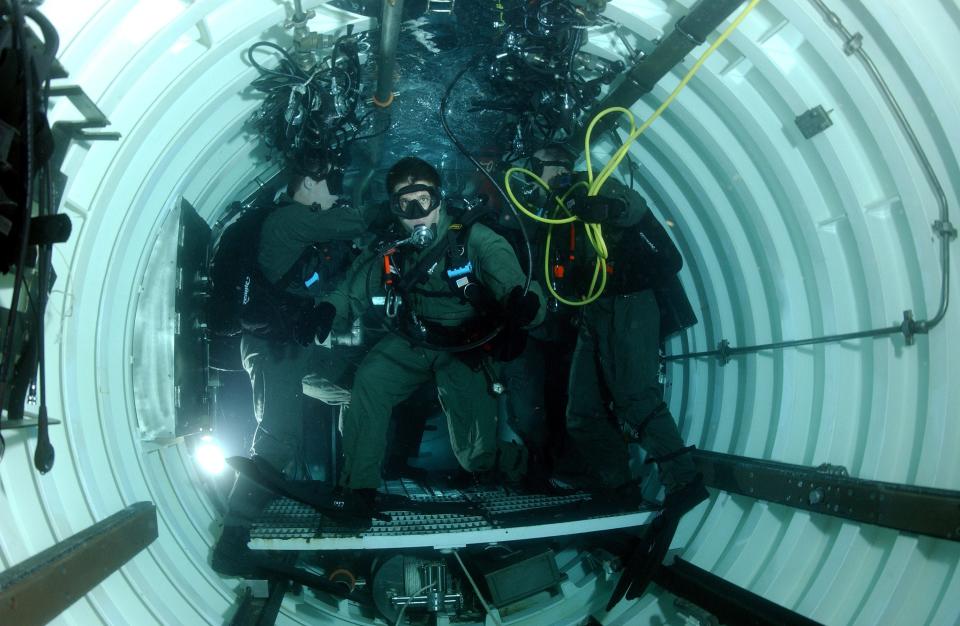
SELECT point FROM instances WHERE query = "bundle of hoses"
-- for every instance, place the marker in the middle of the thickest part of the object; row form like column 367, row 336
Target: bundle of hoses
column 309, row 116
column 595, row 183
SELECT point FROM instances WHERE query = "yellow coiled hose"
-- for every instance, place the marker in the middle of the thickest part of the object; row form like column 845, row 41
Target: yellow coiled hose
column 594, row 184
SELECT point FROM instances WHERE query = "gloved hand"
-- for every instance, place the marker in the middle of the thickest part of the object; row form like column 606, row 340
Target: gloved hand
column 314, row 325
column 521, row 308
column 596, row 209
column 509, row 343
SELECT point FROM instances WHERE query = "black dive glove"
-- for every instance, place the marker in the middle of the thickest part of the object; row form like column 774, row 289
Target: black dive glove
column 596, row 209
column 521, row 308
column 314, row 324
column 509, row 343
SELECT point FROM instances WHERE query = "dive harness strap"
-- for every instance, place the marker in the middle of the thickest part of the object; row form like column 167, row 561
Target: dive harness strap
column 670, row 455
column 460, row 278
column 459, row 271
column 636, row 432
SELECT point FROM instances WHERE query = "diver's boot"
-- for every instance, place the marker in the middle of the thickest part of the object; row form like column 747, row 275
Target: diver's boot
column 359, row 505
column 685, row 497
column 232, row 557
column 650, row 549
column 625, row 497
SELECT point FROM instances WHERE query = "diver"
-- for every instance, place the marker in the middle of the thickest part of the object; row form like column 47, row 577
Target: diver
column 305, row 245
column 614, row 386
column 453, row 295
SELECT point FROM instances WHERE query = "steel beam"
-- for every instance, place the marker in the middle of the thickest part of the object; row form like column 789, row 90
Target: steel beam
column 40, row 588
column 729, row 603
column 689, row 32
column 831, row 491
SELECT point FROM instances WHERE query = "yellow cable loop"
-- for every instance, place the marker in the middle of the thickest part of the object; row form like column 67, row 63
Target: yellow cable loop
column 594, row 235
column 593, row 231
column 586, row 139
column 529, row 213
column 634, row 133
column 599, row 269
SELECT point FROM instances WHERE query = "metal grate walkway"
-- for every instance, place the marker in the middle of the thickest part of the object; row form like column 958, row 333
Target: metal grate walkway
column 442, row 519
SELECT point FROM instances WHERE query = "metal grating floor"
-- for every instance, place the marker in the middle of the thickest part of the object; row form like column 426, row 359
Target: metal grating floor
column 487, row 515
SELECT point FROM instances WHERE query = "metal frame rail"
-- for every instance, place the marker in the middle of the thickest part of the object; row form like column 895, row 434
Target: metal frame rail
column 830, row 490
column 40, row 588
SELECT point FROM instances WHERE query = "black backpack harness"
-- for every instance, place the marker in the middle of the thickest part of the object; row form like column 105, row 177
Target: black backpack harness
column 244, row 299
column 461, row 280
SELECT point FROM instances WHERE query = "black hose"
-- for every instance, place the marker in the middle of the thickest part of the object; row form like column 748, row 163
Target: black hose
column 481, row 169
column 43, row 454
column 269, row 72
column 18, row 28
column 51, row 39
column 942, row 227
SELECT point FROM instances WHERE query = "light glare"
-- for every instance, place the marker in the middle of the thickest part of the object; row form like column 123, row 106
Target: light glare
column 209, row 456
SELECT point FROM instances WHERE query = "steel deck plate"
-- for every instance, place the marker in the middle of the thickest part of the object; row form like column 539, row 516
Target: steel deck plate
column 489, row 515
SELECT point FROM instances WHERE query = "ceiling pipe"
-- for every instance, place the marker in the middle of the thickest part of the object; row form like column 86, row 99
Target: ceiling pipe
column 390, row 20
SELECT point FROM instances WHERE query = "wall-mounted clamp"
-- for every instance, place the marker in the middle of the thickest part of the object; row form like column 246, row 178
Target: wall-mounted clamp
column 909, row 327
column 853, row 44
column 723, row 352
column 945, row 229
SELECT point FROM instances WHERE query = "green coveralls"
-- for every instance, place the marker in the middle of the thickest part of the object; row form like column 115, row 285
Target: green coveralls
column 614, row 373
column 277, row 369
column 395, row 368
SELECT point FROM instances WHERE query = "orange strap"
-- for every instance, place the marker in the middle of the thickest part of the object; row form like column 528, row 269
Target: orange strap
column 387, row 275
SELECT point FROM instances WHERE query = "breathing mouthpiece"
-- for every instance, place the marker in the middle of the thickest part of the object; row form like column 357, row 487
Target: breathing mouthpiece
column 422, row 236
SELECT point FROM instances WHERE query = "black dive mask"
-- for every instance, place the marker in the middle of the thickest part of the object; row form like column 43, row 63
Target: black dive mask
column 413, row 209
column 536, row 165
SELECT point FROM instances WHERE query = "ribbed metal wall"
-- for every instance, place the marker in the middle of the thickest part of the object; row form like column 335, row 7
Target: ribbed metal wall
column 783, row 238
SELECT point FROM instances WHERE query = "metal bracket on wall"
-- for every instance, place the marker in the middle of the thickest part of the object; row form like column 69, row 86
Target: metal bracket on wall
column 908, row 508
column 945, row 229
column 726, row 603
column 723, row 352
column 65, row 132
column 813, row 122
column 93, row 117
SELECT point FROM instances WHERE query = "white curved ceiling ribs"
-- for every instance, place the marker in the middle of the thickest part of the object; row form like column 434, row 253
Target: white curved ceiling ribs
column 783, row 238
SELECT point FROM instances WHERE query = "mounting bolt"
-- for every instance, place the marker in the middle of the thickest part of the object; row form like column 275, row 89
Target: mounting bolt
column 816, row 496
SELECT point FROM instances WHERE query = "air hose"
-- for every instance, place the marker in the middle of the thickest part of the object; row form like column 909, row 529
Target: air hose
column 594, row 231
column 594, row 236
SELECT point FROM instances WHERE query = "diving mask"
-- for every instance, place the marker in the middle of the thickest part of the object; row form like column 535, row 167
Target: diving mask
column 419, row 201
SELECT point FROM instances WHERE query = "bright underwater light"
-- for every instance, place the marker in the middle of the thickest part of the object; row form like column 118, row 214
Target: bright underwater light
column 209, row 455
